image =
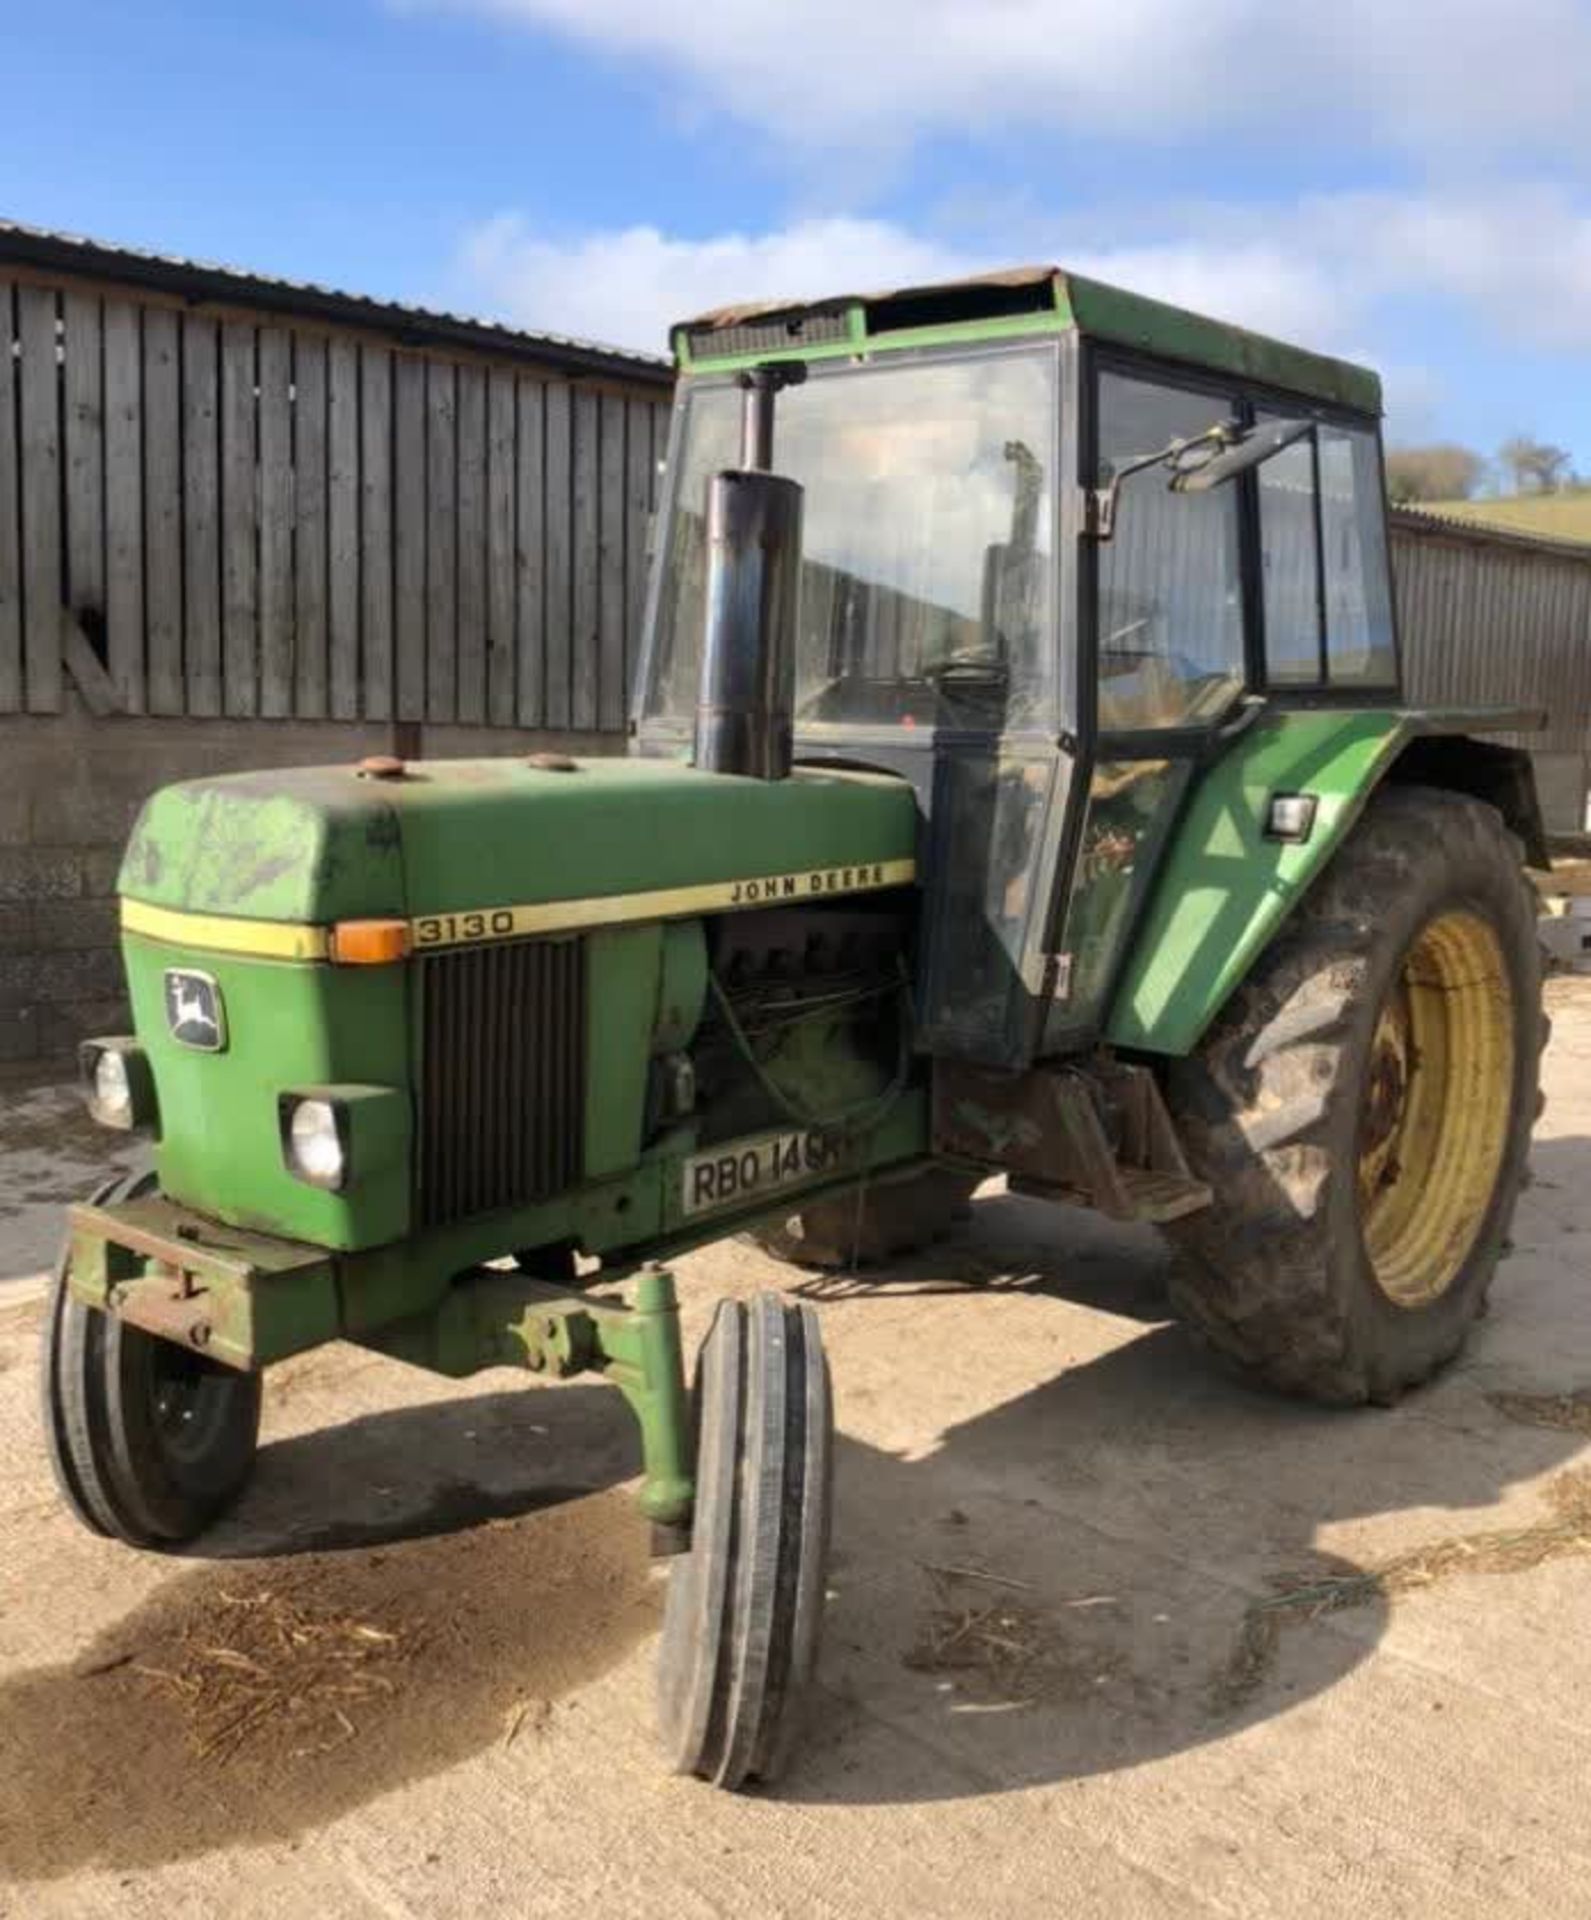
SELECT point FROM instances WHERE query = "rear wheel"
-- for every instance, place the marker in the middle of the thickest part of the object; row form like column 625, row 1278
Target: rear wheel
column 1362, row 1110
column 745, row 1605
column 870, row 1225
column 149, row 1442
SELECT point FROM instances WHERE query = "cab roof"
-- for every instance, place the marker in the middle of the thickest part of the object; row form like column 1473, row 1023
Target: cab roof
column 1011, row 304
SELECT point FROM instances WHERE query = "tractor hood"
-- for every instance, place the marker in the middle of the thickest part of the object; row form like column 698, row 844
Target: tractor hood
column 558, row 845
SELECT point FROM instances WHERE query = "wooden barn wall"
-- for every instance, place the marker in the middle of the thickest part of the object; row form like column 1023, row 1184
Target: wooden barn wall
column 241, row 517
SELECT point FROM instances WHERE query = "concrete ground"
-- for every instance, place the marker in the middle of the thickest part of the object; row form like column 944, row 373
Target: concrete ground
column 1108, row 1635
column 51, row 1153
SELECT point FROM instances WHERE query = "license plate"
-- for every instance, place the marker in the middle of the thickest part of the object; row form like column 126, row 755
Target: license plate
column 746, row 1170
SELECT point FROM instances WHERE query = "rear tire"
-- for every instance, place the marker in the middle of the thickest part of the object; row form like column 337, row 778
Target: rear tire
column 870, row 1225
column 745, row 1605
column 1362, row 1110
column 149, row 1443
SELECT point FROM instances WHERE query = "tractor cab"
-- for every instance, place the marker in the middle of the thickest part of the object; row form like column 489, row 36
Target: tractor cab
column 1058, row 543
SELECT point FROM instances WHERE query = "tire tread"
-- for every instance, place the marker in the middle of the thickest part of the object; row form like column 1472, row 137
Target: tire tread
column 1259, row 1101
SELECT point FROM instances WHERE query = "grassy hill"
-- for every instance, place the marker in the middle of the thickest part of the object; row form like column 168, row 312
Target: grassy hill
column 1555, row 516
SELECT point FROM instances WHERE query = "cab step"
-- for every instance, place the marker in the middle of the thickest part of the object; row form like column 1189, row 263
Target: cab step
column 1151, row 1197
column 1159, row 1197
column 1093, row 1135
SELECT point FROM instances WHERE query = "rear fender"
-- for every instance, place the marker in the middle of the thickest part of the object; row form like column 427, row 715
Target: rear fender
column 1225, row 888
column 1504, row 777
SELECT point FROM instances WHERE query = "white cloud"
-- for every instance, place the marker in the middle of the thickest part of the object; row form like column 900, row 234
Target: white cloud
column 1459, row 76
column 629, row 285
column 1519, row 258
column 1267, row 285
column 1419, row 402
column 1324, row 272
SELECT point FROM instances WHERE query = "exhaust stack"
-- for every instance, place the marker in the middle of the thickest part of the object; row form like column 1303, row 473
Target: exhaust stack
column 746, row 698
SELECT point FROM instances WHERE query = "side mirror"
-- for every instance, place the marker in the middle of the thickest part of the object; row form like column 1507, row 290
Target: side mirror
column 1212, row 465
column 1197, row 463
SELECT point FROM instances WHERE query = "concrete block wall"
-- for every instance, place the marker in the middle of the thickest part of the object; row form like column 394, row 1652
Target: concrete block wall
column 70, row 787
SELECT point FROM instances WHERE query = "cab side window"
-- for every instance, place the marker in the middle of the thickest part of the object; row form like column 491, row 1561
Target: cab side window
column 1290, row 566
column 1170, row 578
column 1325, row 584
column 1358, row 591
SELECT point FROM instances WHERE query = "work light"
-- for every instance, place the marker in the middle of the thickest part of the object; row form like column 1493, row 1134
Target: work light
column 1291, row 816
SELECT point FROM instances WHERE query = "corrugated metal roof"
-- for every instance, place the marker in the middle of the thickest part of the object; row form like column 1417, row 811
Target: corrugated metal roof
column 1431, row 521
column 409, row 325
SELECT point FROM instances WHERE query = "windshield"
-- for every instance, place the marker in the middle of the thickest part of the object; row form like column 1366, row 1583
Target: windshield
column 926, row 589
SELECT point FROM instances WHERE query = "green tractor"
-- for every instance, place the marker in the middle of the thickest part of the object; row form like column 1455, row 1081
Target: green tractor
column 1020, row 785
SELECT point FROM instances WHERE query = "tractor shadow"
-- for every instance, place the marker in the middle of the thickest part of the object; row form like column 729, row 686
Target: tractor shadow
column 392, row 1597
column 1008, row 1243
column 1124, row 1560
column 423, row 1472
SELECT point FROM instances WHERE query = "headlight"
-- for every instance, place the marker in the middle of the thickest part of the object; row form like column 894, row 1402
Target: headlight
column 346, row 1136
column 120, row 1087
column 313, row 1142
column 113, row 1093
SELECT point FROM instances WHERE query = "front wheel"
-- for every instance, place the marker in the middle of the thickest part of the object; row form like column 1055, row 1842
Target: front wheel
column 149, row 1442
column 1362, row 1110
column 745, row 1605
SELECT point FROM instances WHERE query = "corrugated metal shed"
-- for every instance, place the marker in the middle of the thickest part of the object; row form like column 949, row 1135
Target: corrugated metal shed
column 1425, row 519
column 1491, row 617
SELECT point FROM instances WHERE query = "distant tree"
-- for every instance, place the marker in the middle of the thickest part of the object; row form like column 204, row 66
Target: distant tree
column 1443, row 472
column 1536, row 465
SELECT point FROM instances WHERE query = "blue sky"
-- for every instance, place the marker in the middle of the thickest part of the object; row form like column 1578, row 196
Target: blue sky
column 1400, row 180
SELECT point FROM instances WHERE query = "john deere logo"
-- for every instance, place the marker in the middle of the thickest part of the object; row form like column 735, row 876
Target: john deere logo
column 195, row 1012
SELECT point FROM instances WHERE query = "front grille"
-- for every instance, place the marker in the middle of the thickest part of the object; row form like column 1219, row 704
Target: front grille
column 502, row 1079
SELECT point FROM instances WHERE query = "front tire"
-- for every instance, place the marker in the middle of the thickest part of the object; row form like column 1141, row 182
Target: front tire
column 745, row 1605
column 149, row 1442
column 1362, row 1110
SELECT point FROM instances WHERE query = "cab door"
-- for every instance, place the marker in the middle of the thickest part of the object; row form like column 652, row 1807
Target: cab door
column 1164, row 661
column 997, row 805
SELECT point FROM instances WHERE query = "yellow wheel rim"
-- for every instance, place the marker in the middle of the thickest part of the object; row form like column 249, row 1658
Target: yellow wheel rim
column 1434, row 1120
